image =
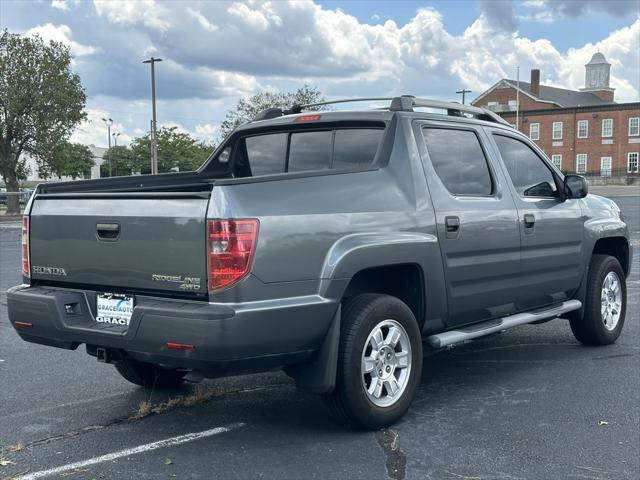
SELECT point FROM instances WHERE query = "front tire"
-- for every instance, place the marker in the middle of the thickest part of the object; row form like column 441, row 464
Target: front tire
column 148, row 375
column 605, row 303
column 379, row 362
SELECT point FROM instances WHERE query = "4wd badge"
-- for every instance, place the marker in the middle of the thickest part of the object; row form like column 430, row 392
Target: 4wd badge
column 186, row 283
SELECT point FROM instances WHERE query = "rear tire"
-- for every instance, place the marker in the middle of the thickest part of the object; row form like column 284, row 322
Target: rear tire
column 148, row 375
column 379, row 362
column 605, row 303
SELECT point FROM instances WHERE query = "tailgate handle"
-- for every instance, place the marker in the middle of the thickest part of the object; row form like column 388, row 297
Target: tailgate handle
column 108, row 231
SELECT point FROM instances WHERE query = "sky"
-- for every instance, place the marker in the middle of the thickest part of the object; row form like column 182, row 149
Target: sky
column 215, row 52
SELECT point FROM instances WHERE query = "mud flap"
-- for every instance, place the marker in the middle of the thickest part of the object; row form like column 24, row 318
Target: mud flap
column 319, row 375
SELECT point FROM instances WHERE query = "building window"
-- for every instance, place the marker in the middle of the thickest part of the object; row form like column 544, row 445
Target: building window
column 581, row 163
column 534, row 131
column 632, row 162
column 605, row 166
column 634, row 126
column 557, row 161
column 492, row 104
column 557, row 131
column 607, row 127
column 583, row 128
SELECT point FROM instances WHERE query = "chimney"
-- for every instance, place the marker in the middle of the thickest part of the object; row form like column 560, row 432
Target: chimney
column 535, row 82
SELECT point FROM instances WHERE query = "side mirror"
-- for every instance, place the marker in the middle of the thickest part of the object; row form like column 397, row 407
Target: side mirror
column 575, row 186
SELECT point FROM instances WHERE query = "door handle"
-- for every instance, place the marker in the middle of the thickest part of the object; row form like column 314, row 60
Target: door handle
column 107, row 231
column 452, row 226
column 529, row 220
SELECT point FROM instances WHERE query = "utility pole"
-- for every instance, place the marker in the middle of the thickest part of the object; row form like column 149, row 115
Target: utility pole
column 108, row 122
column 463, row 92
column 518, row 98
column 154, row 144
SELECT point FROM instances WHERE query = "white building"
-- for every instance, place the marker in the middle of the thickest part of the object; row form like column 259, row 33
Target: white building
column 32, row 166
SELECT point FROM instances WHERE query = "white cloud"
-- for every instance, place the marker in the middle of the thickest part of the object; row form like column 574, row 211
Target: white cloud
column 207, row 131
column 261, row 18
column 93, row 131
column 62, row 34
column 202, row 20
column 60, row 4
column 146, row 12
column 215, row 52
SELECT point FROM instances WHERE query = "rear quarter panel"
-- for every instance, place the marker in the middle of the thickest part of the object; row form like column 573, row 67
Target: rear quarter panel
column 320, row 230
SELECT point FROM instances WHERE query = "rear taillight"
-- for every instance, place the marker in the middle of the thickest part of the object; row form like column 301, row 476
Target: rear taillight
column 230, row 247
column 26, row 263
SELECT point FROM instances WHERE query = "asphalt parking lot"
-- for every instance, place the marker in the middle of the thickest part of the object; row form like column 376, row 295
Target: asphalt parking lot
column 530, row 403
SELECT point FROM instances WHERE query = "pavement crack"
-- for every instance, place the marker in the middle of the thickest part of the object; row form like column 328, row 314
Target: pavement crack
column 396, row 460
column 146, row 409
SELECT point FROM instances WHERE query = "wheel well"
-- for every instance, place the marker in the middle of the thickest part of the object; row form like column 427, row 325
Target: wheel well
column 405, row 282
column 615, row 246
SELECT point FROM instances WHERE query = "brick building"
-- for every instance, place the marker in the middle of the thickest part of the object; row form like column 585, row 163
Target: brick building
column 583, row 131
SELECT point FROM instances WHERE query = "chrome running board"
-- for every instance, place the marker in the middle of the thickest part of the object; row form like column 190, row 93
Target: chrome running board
column 444, row 339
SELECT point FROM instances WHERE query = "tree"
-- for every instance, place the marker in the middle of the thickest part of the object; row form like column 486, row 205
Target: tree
column 248, row 108
column 41, row 101
column 122, row 160
column 67, row 160
column 176, row 151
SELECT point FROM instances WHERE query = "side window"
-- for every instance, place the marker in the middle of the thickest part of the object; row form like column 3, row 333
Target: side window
column 459, row 161
column 309, row 151
column 266, row 154
column 529, row 174
column 355, row 147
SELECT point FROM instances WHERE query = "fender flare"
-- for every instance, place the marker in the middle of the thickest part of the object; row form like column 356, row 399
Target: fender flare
column 598, row 229
column 348, row 256
column 359, row 251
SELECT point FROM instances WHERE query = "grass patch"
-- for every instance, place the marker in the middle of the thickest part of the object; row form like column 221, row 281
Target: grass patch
column 146, row 408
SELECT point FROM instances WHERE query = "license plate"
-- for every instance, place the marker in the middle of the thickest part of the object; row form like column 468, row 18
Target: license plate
column 114, row 309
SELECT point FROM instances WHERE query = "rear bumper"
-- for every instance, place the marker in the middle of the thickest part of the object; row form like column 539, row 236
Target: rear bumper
column 228, row 338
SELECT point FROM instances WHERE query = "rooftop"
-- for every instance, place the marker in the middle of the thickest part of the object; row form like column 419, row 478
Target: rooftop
column 562, row 96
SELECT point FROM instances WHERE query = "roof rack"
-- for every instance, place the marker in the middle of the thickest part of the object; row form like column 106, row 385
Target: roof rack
column 404, row 103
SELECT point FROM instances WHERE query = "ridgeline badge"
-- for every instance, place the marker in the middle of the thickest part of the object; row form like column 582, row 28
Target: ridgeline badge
column 186, row 283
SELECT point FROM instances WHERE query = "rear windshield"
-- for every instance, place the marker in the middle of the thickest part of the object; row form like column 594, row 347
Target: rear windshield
column 302, row 151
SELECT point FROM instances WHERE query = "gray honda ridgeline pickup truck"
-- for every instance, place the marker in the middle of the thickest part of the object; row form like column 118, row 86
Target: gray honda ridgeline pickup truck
column 337, row 245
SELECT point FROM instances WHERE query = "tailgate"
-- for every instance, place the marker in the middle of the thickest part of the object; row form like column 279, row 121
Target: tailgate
column 120, row 242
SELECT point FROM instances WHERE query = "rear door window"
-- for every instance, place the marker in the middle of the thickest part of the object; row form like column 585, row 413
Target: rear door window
column 459, row 161
column 355, row 147
column 310, row 151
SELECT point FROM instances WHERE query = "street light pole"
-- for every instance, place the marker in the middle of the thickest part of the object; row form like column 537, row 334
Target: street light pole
column 115, row 144
column 154, row 143
column 463, row 92
column 108, row 122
